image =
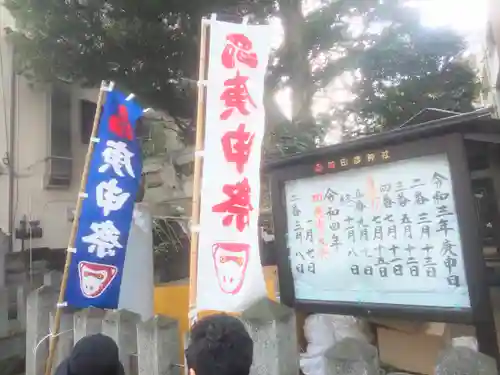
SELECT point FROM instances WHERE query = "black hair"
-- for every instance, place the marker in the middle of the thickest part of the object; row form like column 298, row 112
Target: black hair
column 219, row 345
column 92, row 355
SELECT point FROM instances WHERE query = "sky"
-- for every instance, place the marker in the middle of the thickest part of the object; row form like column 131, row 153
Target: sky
column 467, row 16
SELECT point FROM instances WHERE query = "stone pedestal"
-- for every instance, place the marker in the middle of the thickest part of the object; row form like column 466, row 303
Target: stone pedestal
column 272, row 327
column 87, row 322
column 39, row 305
column 121, row 325
column 158, row 347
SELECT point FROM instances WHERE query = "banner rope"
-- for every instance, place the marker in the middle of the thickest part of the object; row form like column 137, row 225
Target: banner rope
column 49, row 335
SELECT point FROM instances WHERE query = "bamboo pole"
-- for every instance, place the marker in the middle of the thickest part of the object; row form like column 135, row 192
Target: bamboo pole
column 74, row 229
column 200, row 133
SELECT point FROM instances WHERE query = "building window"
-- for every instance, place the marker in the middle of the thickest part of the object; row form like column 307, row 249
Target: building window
column 87, row 113
column 60, row 128
column 58, row 171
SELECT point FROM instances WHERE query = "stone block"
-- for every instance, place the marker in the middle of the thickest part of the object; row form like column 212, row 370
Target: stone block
column 272, row 327
column 158, row 346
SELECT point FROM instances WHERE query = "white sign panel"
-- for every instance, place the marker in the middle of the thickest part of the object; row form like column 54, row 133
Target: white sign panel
column 381, row 234
column 229, row 269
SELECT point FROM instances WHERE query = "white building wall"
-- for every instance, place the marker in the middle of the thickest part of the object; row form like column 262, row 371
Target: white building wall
column 489, row 67
column 32, row 119
column 489, row 59
column 53, row 208
column 5, row 71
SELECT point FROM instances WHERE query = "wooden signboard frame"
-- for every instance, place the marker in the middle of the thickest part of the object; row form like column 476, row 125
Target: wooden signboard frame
column 340, row 159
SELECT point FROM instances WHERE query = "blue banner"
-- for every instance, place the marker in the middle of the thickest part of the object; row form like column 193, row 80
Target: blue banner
column 113, row 180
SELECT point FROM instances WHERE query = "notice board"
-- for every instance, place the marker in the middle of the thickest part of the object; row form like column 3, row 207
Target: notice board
column 390, row 231
column 381, row 234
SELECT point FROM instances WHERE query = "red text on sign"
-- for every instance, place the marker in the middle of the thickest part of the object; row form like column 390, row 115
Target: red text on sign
column 237, row 206
column 236, row 96
column 238, row 47
column 236, row 145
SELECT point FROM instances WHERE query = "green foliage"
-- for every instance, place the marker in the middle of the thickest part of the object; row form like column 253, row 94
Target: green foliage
column 408, row 69
column 150, row 47
column 397, row 67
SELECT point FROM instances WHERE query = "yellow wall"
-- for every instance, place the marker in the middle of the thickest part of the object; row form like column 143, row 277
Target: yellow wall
column 172, row 300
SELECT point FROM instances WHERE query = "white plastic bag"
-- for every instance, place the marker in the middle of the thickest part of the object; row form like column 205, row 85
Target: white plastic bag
column 321, row 332
column 465, row 342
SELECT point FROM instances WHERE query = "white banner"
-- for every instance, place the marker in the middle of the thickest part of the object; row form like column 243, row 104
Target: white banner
column 137, row 288
column 230, row 274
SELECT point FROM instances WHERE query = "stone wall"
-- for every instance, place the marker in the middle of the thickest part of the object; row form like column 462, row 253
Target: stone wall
column 152, row 347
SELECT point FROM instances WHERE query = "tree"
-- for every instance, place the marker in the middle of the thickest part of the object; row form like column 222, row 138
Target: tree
column 396, row 67
column 408, row 69
column 151, row 47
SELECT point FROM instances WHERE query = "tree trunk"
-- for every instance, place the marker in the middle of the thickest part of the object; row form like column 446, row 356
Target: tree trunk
column 296, row 63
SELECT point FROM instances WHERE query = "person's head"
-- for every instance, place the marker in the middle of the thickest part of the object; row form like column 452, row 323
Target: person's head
column 92, row 355
column 219, row 345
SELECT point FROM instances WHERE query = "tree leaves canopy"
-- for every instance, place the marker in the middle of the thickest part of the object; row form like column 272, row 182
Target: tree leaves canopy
column 150, row 47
